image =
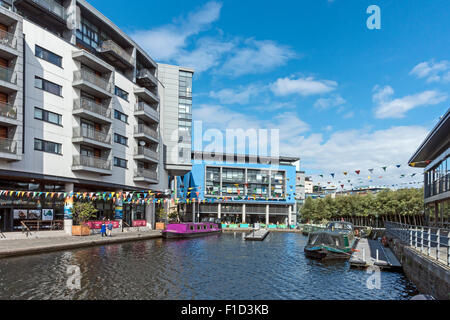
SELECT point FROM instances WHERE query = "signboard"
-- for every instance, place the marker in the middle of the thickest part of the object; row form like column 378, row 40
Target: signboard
column 47, row 214
column 95, row 225
column 139, row 223
column 34, row 214
column 20, row 214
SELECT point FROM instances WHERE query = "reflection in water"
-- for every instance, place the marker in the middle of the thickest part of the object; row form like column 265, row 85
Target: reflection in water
column 216, row 267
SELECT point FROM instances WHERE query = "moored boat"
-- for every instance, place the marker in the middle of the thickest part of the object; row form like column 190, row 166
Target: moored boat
column 190, row 229
column 337, row 241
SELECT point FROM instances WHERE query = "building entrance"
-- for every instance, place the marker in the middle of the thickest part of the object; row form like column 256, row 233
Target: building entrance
column 6, row 224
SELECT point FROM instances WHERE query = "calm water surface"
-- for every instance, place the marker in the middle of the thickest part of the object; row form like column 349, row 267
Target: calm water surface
column 216, row 267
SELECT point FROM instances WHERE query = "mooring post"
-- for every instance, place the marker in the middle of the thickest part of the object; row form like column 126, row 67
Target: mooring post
column 377, row 256
column 438, row 246
column 429, row 242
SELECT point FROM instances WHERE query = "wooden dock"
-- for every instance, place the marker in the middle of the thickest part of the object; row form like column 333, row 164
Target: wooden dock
column 257, row 235
column 373, row 253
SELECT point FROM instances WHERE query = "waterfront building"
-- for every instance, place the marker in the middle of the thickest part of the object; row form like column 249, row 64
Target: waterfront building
column 240, row 189
column 300, row 188
column 80, row 112
column 434, row 156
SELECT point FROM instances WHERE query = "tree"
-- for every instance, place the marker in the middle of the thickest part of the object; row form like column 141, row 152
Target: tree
column 83, row 212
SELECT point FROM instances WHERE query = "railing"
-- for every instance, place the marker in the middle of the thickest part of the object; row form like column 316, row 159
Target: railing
column 144, row 173
column 91, row 77
column 143, row 129
column 8, row 146
column 92, row 106
column 8, row 110
column 7, row 74
column 109, row 45
column 145, row 73
column 53, row 7
column 25, row 229
column 439, row 186
column 92, row 162
column 39, row 225
column 96, row 135
column 7, row 39
column 433, row 242
column 142, row 106
column 143, row 151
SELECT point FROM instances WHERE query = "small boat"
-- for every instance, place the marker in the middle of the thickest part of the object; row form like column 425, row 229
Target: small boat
column 191, row 229
column 337, row 241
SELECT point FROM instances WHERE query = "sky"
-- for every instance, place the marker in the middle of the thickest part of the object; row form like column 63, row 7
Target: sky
column 344, row 97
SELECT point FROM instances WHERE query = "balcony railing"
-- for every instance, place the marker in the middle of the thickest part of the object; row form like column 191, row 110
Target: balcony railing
column 7, row 74
column 8, row 111
column 92, row 106
column 143, row 129
column 8, row 146
column 96, row 135
column 91, row 77
column 441, row 185
column 8, row 39
column 142, row 106
column 92, row 162
column 109, row 45
column 143, row 151
column 145, row 173
column 145, row 73
column 53, row 7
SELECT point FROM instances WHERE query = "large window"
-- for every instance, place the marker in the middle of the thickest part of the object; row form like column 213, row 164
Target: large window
column 185, row 101
column 120, row 116
column 121, row 93
column 47, row 116
column 121, row 163
column 437, row 180
column 48, row 56
column 89, row 34
column 48, row 86
column 120, row 139
column 47, row 146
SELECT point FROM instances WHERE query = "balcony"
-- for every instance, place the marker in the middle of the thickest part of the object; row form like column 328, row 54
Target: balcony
column 116, row 55
column 101, row 166
column 8, row 40
column 145, row 132
column 145, row 175
column 90, row 60
column 91, row 137
column 146, row 95
column 44, row 7
column 92, row 83
column 147, row 112
column 8, row 150
column 8, row 80
column 8, row 113
column 92, row 110
column 146, row 78
column 143, row 153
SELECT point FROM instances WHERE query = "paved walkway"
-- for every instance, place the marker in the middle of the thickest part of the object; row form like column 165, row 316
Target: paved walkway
column 10, row 248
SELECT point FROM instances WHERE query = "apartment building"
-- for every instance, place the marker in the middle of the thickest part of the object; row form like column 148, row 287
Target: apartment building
column 80, row 111
column 241, row 189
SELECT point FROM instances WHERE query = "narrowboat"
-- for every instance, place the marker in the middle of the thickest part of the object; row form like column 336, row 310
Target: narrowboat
column 191, row 229
column 337, row 241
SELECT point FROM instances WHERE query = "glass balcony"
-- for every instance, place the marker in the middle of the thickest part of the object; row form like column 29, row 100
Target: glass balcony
column 8, row 111
column 147, row 78
column 7, row 74
column 92, row 162
column 146, row 130
column 88, row 76
column 95, row 135
column 145, row 173
column 8, row 146
column 8, row 39
column 116, row 54
column 53, row 7
column 145, row 109
column 92, row 106
column 146, row 152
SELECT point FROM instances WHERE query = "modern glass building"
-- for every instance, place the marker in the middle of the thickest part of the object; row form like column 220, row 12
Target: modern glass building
column 434, row 156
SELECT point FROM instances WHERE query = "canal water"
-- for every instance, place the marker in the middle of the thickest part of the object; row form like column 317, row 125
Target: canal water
column 216, row 267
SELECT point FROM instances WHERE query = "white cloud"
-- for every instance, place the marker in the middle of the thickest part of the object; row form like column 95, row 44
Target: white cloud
column 240, row 96
column 302, row 86
column 257, row 57
column 432, row 71
column 166, row 42
column 333, row 101
column 386, row 107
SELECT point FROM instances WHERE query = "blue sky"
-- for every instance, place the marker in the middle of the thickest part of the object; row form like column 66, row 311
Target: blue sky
column 344, row 97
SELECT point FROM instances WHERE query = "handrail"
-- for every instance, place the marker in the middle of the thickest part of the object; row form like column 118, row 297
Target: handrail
column 26, row 227
column 432, row 241
column 91, row 77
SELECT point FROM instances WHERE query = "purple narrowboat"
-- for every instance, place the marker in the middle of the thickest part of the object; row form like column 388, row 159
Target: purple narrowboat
column 190, row 229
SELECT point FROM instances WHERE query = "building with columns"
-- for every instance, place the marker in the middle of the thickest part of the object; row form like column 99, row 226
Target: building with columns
column 80, row 112
column 240, row 189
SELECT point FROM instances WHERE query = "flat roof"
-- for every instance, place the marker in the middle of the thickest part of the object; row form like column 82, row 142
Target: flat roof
column 437, row 141
column 260, row 159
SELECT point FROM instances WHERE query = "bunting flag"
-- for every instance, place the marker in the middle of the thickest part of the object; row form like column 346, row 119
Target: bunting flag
column 358, row 172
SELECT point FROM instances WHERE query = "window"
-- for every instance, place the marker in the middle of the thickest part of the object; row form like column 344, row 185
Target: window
column 120, row 139
column 48, row 56
column 120, row 116
column 47, row 146
column 47, row 116
column 88, row 33
column 121, row 93
column 121, row 163
column 47, row 86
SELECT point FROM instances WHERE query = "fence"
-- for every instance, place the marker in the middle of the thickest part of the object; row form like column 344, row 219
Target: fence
column 434, row 242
